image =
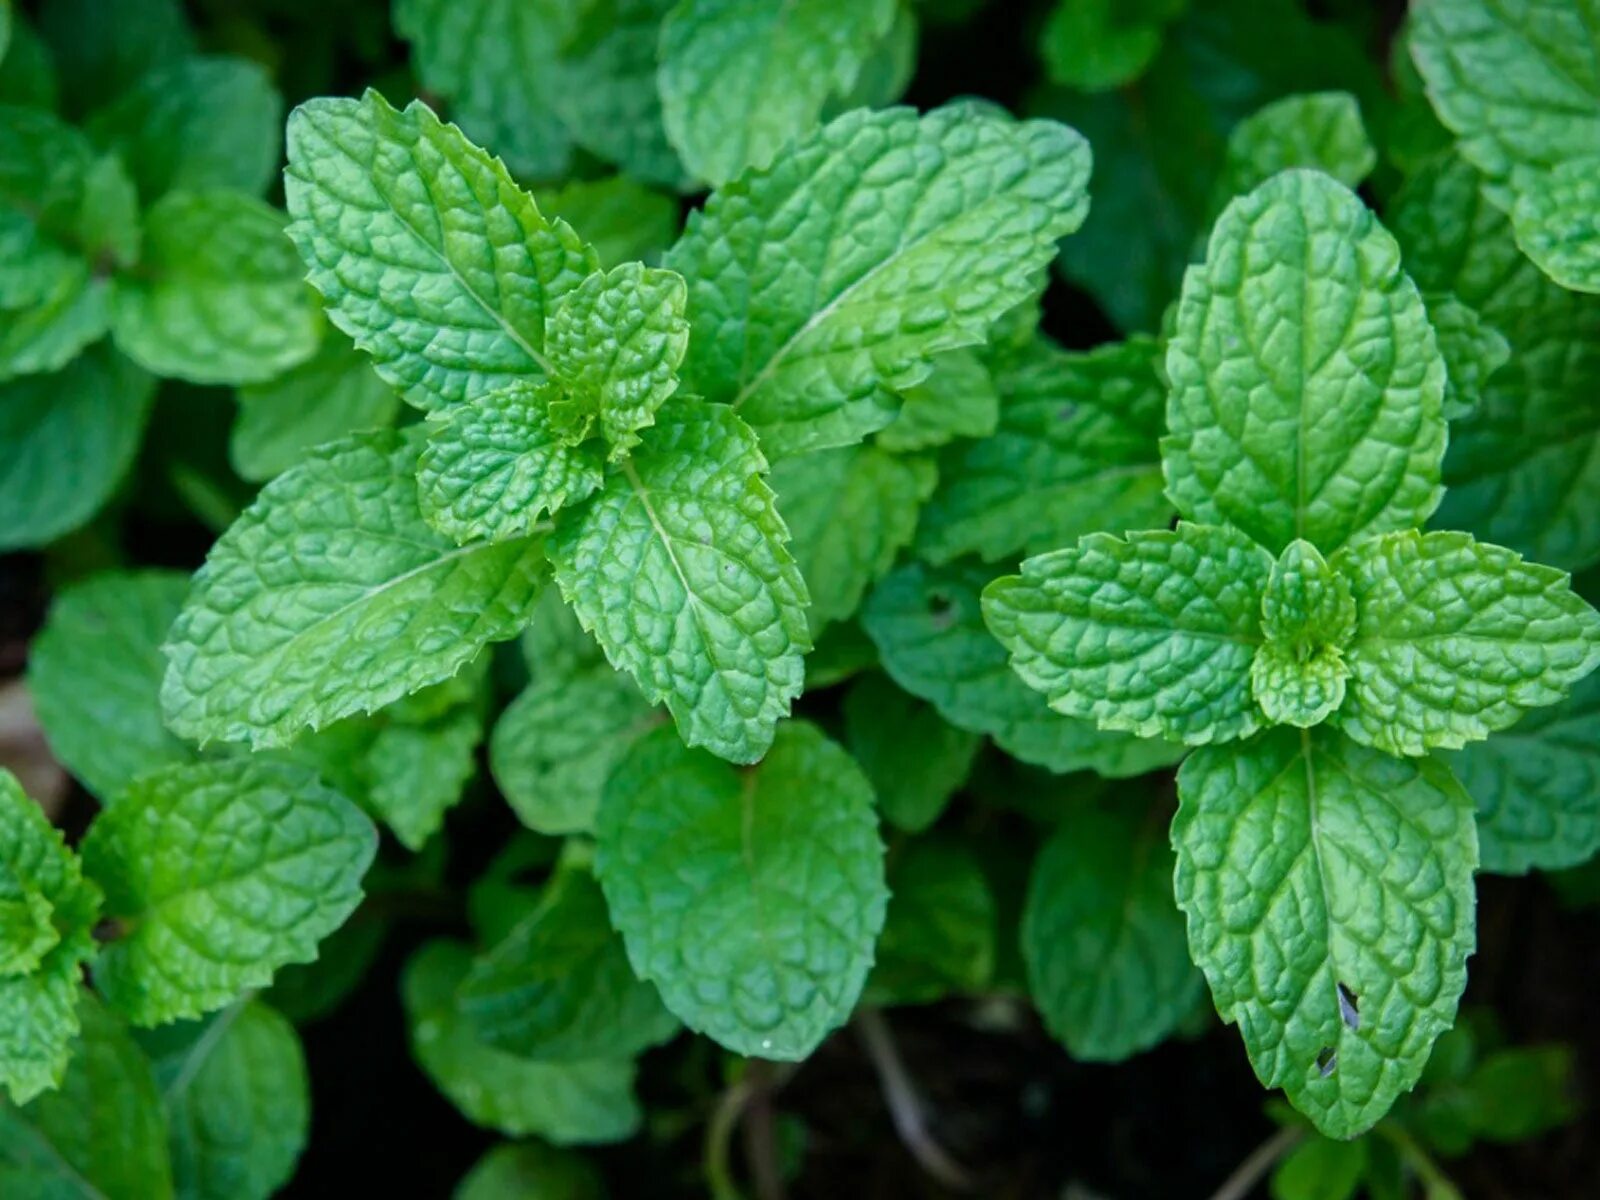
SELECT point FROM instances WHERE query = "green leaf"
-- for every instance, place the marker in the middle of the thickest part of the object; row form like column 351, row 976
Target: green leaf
column 1108, row 965
column 1320, row 1168
column 307, row 992
column 38, row 1006
column 565, row 1103
column 928, row 628
column 218, row 296
column 1517, row 1094
column 1152, row 635
column 958, row 399
column 295, row 619
column 936, row 226
column 1473, row 350
column 1456, row 639
column 1555, row 221
column 100, row 55
column 101, row 1134
column 94, row 674
column 69, row 439
column 558, row 987
column 850, row 511
column 1537, row 786
column 1308, row 615
column 530, row 1171
column 1320, row 130
column 27, row 72
column 1095, row 45
column 679, row 569
column 1075, row 453
column 1307, row 387
column 195, row 124
column 616, row 343
column 333, row 393
column 743, row 79
column 496, row 468
column 447, row 311
column 218, row 874
column 750, row 899
column 914, row 758
column 940, row 934
column 1287, row 848
column 556, row 743
column 237, row 1102
column 623, row 220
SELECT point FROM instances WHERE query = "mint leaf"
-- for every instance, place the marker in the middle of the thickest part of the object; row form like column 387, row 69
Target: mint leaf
column 69, row 439
column 802, row 326
column 94, row 674
column 679, row 570
column 237, row 1102
column 1555, row 222
column 623, row 220
column 558, row 987
column 39, row 988
column 565, row 1103
column 1108, row 965
column 292, row 622
column 333, row 393
column 1286, row 848
column 1095, row 45
column 1473, row 350
column 1322, row 130
column 914, row 758
column 1307, row 388
column 101, row 1134
column 1152, row 635
column 750, row 899
column 1455, row 639
column 220, row 873
column 742, row 79
column 616, row 343
column 496, row 468
column 1320, row 1168
column 520, row 1170
column 448, row 311
column 850, row 510
column 940, row 935
column 555, row 745
column 27, row 73
column 1075, row 452
column 1308, row 615
column 195, row 124
column 958, row 399
column 928, row 627
column 100, row 55
column 218, row 296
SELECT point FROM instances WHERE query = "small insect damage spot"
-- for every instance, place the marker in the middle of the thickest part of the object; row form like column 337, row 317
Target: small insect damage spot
column 1327, row 1061
column 942, row 610
column 1349, row 1007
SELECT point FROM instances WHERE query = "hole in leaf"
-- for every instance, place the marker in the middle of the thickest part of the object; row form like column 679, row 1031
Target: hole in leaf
column 1327, row 1061
column 942, row 610
column 1066, row 412
column 1349, row 1007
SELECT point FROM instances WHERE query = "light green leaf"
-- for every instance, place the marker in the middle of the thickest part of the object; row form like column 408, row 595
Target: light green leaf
column 958, row 399
column 940, row 936
column 195, row 124
column 616, row 343
column 26, row 931
column 750, row 899
column 69, row 438
column 1075, row 453
column 1308, row 615
column 101, row 1134
column 447, row 311
column 850, row 511
column 218, row 874
column 1289, row 848
column 297, row 617
column 1152, row 635
column 623, row 220
column 1108, row 965
column 38, row 1013
column 556, row 743
column 530, row 1171
column 680, row 571
column 1456, row 639
column 497, row 467
column 1537, row 786
column 237, row 1102
column 1095, row 45
column 929, row 630
column 94, row 674
column 1320, row 130
column 565, row 1103
column 100, row 55
column 914, row 758
column 218, row 296
column 333, row 393
column 558, row 987
column 935, row 227
column 1473, row 350
column 1307, row 387
column 742, row 79
column 1555, row 222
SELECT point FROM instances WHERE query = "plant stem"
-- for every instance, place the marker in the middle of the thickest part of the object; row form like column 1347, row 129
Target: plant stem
column 1262, row 1159
column 905, row 1103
